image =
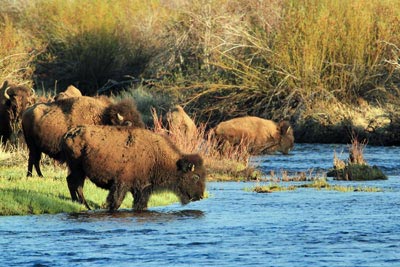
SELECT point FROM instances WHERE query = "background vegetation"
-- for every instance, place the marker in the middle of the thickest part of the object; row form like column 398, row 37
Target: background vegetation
column 328, row 66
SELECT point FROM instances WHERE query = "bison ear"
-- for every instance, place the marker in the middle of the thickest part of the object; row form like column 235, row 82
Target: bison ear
column 185, row 165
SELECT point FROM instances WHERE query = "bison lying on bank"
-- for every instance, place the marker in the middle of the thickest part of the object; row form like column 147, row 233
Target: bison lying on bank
column 71, row 91
column 123, row 159
column 262, row 136
column 13, row 101
column 45, row 124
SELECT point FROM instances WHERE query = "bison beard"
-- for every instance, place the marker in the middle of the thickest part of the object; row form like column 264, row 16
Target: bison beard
column 138, row 161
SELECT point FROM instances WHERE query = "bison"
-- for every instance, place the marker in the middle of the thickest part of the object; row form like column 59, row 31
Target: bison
column 181, row 124
column 71, row 91
column 14, row 99
column 261, row 135
column 44, row 124
column 122, row 159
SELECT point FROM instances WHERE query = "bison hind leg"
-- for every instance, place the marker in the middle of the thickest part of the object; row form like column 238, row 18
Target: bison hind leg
column 34, row 160
column 116, row 196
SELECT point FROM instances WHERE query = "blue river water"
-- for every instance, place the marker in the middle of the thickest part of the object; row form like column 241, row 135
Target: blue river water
column 233, row 227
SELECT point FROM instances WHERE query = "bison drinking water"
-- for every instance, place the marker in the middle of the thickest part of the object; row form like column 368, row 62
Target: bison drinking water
column 45, row 124
column 123, row 159
column 262, row 136
column 13, row 101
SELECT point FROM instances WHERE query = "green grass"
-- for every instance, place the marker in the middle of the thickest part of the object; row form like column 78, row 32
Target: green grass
column 20, row 195
column 318, row 184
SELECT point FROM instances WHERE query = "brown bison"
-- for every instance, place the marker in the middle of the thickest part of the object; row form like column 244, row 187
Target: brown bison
column 44, row 124
column 71, row 91
column 262, row 136
column 14, row 99
column 122, row 159
column 181, row 124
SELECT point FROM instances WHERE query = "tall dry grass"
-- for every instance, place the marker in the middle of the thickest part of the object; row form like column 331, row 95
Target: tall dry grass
column 287, row 54
column 16, row 49
column 269, row 58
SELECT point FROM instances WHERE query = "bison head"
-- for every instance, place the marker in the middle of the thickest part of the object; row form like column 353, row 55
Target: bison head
column 15, row 99
column 192, row 178
column 286, row 141
column 124, row 113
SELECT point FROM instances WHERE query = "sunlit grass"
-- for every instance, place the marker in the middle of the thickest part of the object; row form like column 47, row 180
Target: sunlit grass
column 318, row 184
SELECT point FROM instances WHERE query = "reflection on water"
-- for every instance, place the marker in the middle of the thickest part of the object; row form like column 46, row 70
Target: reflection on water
column 137, row 216
column 233, row 227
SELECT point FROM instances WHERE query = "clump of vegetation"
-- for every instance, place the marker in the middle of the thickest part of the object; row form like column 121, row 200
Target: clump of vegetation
column 273, row 187
column 286, row 177
column 318, row 184
column 355, row 168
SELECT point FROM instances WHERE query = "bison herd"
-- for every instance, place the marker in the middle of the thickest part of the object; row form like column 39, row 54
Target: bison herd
column 108, row 143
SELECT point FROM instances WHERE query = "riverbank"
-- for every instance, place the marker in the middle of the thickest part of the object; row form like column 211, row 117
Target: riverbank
column 340, row 123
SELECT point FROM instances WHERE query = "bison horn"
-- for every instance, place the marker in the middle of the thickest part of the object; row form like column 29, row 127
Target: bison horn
column 120, row 118
column 6, row 95
column 4, row 85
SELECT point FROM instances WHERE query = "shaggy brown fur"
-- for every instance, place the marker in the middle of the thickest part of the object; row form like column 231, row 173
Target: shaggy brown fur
column 71, row 91
column 180, row 123
column 262, row 136
column 44, row 124
column 122, row 159
column 13, row 101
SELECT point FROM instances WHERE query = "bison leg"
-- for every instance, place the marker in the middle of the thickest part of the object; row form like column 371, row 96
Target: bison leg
column 75, row 182
column 34, row 160
column 140, row 199
column 116, row 196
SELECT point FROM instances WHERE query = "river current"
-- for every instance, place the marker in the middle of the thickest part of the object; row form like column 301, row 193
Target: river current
column 233, row 227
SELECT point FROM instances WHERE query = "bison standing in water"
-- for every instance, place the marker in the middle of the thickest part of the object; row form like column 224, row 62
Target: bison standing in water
column 44, row 124
column 261, row 135
column 13, row 101
column 122, row 159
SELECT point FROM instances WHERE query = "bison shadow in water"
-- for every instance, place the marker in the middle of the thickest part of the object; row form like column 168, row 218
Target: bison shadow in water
column 44, row 124
column 13, row 101
column 124, row 159
column 261, row 136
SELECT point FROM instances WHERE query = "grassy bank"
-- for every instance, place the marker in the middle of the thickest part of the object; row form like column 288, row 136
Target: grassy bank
column 20, row 195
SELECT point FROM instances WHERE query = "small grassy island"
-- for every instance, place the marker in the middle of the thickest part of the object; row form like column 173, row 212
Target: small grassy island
column 355, row 168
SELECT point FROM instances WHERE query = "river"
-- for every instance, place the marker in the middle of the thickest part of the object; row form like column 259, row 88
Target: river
column 233, row 227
